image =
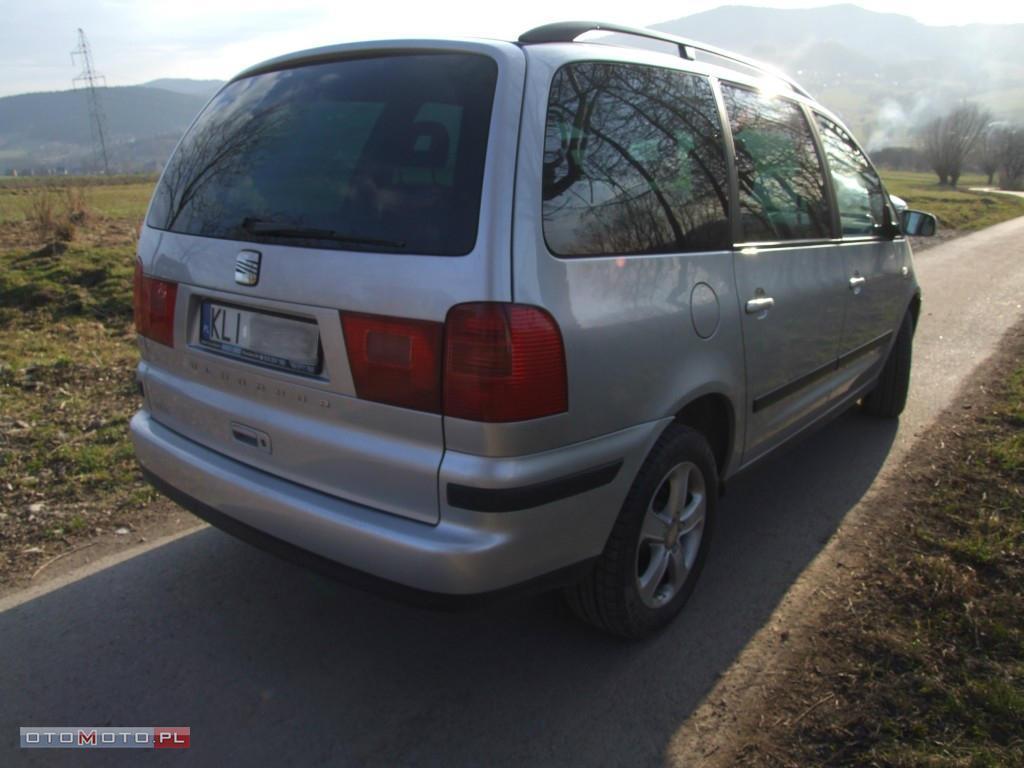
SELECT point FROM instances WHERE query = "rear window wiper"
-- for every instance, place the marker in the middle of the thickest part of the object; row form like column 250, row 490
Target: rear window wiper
column 274, row 229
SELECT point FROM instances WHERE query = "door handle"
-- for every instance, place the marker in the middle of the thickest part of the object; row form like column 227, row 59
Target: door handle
column 856, row 283
column 758, row 305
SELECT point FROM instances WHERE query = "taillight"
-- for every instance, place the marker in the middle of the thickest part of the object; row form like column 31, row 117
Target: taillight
column 153, row 306
column 503, row 362
column 395, row 361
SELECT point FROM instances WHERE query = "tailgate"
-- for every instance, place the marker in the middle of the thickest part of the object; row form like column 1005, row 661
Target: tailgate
column 259, row 369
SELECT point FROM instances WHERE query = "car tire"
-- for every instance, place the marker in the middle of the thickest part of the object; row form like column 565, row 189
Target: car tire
column 889, row 396
column 641, row 580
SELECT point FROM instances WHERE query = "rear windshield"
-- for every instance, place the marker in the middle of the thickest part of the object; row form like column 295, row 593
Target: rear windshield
column 380, row 154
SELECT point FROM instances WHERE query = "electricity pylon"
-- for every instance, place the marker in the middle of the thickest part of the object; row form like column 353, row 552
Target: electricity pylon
column 91, row 81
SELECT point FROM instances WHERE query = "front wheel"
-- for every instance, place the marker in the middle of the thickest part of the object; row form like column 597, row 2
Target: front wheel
column 889, row 397
column 657, row 547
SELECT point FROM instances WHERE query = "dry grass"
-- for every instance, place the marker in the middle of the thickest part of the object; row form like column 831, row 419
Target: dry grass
column 918, row 659
column 44, row 218
column 76, row 205
column 67, row 359
column 55, row 213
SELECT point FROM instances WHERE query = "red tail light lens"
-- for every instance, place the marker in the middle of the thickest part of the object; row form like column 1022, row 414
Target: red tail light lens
column 153, row 306
column 503, row 362
column 395, row 361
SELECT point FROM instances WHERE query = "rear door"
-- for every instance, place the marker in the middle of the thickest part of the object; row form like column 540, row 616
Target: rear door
column 368, row 188
column 876, row 294
column 789, row 273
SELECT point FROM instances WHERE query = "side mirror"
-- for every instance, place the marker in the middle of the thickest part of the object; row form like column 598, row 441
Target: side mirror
column 918, row 223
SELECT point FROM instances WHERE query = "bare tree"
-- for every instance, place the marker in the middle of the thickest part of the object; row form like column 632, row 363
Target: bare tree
column 1010, row 151
column 948, row 141
column 987, row 150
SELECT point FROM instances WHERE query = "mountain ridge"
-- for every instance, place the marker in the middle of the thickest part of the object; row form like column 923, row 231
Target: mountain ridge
column 51, row 130
column 913, row 70
column 883, row 73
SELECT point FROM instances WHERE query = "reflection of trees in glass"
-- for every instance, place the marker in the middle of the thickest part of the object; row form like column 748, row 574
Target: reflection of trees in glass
column 858, row 189
column 220, row 146
column 633, row 162
column 782, row 190
column 386, row 152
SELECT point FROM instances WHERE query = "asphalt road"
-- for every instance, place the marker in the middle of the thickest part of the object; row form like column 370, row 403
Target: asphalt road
column 272, row 665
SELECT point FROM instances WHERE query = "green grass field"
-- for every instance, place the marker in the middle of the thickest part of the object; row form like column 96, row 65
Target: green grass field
column 958, row 208
column 123, row 198
column 67, row 360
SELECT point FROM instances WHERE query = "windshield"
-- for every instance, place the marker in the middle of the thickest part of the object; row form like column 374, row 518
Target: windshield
column 381, row 154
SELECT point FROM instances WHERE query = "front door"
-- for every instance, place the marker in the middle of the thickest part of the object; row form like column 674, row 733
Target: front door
column 876, row 290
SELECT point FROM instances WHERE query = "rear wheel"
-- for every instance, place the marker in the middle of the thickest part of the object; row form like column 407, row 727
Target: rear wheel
column 657, row 548
column 889, row 396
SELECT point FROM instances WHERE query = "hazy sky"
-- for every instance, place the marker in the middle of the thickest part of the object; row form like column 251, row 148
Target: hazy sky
column 138, row 40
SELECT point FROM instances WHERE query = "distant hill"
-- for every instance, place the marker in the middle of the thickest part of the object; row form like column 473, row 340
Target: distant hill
column 882, row 72
column 44, row 131
column 204, row 88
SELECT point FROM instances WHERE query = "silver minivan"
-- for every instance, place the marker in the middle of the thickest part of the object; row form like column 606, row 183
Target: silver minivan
column 464, row 316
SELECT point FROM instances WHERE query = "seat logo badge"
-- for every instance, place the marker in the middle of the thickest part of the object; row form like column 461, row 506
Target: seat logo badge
column 247, row 267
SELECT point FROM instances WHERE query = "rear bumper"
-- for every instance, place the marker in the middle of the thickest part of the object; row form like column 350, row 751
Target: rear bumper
column 468, row 552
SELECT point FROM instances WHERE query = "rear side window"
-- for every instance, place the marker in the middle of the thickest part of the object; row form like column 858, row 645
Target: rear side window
column 382, row 154
column 633, row 162
column 782, row 187
column 859, row 195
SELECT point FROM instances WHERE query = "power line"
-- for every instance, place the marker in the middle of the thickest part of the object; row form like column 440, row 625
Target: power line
column 91, row 81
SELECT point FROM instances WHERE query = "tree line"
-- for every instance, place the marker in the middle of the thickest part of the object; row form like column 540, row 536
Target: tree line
column 968, row 134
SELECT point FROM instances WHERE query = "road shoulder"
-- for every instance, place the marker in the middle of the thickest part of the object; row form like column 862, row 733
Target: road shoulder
column 793, row 672
column 160, row 522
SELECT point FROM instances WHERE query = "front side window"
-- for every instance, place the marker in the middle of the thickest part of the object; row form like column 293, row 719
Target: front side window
column 633, row 162
column 781, row 183
column 381, row 154
column 859, row 195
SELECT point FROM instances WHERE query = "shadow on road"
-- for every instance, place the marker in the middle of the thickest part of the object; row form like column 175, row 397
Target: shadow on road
column 272, row 665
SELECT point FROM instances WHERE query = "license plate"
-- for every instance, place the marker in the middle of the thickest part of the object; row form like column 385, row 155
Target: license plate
column 281, row 342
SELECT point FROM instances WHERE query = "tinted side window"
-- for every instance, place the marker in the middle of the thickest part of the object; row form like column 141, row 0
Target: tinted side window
column 633, row 162
column 782, row 186
column 859, row 194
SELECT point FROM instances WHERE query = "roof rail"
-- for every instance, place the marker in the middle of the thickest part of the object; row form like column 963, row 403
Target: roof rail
column 568, row 31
